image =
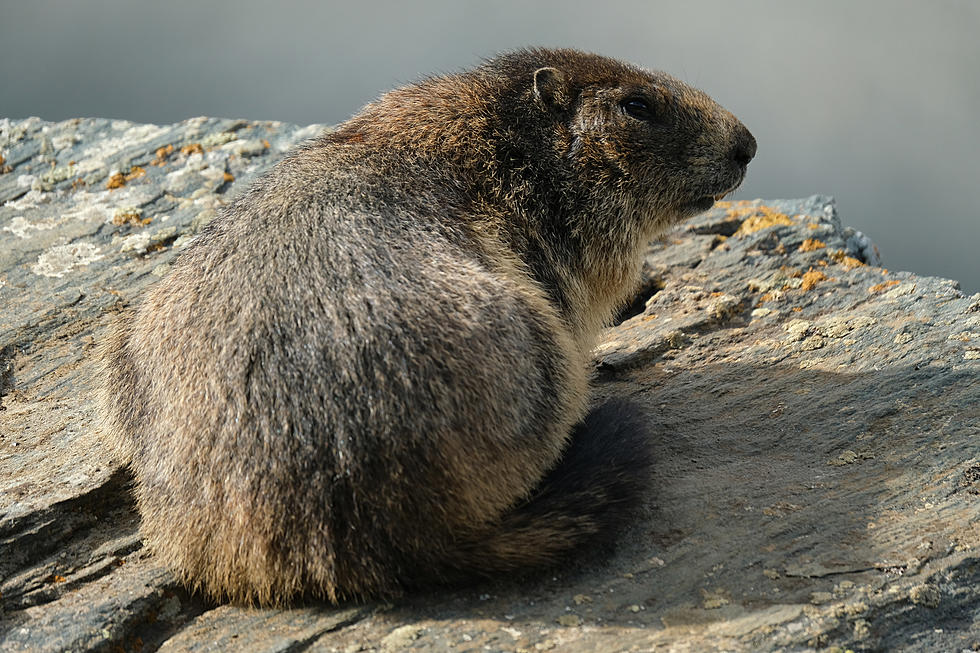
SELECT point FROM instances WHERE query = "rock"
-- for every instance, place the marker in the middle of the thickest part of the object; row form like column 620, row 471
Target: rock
column 817, row 422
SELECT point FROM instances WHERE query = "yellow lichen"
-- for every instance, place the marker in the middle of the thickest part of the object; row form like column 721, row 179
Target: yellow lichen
column 131, row 216
column 847, row 261
column 878, row 287
column 161, row 155
column 811, row 245
column 119, row 179
column 811, row 278
column 759, row 218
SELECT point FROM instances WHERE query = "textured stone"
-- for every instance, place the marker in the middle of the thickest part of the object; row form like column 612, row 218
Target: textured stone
column 817, row 421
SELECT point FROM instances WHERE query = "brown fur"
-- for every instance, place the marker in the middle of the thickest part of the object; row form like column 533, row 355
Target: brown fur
column 365, row 375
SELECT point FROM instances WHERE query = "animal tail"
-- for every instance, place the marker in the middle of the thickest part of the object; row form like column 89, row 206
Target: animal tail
column 583, row 503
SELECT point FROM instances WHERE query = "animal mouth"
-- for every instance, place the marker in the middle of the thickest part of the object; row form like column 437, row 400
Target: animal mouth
column 706, row 202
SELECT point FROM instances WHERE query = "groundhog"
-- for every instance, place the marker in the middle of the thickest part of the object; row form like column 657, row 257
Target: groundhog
column 370, row 372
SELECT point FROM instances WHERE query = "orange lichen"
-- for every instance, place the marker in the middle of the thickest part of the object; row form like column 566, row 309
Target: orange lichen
column 162, row 154
column 119, row 179
column 811, row 278
column 739, row 212
column 133, row 218
column 192, row 148
column 759, row 218
column 811, row 245
column 847, row 261
column 727, row 204
column 265, row 144
column 878, row 287
column 228, row 177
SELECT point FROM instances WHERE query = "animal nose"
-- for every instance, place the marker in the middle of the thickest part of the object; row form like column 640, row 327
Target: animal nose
column 744, row 148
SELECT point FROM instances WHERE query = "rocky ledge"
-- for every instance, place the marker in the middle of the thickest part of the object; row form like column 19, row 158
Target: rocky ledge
column 817, row 420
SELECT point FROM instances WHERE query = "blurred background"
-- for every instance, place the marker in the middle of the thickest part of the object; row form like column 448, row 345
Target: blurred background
column 875, row 102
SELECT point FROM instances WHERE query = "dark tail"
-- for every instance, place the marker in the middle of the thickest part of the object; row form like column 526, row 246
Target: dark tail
column 584, row 502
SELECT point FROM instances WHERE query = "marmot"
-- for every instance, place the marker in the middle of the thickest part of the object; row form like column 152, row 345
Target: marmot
column 369, row 373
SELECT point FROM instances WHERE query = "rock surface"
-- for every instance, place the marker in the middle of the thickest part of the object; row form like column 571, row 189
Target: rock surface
column 818, row 421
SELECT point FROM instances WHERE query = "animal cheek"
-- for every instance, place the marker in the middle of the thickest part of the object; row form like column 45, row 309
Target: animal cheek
column 701, row 161
column 566, row 143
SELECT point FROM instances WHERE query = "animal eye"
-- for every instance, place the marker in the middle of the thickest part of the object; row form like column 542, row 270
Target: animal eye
column 637, row 108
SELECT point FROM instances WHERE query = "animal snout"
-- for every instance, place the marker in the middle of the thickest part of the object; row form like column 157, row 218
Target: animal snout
column 744, row 149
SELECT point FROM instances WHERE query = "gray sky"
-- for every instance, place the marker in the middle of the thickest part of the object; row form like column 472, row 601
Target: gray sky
column 875, row 102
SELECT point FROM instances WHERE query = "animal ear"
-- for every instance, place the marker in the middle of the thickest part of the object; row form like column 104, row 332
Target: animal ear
column 551, row 87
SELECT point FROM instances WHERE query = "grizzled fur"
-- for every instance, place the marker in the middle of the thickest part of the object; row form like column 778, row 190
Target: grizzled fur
column 370, row 372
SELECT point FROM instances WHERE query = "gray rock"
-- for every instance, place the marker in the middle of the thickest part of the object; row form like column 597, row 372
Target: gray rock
column 818, row 482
